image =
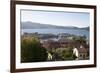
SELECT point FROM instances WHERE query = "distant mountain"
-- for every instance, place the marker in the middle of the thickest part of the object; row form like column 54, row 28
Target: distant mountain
column 34, row 25
column 85, row 28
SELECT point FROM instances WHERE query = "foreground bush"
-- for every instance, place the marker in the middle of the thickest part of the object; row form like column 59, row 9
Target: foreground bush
column 32, row 51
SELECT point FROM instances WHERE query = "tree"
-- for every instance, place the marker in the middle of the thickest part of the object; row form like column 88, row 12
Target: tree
column 65, row 53
column 80, row 39
column 32, row 51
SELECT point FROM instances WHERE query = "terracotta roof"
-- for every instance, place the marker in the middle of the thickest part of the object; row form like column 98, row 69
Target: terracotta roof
column 65, row 40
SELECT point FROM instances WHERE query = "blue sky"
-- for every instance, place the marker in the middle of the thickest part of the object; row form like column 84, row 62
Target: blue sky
column 56, row 18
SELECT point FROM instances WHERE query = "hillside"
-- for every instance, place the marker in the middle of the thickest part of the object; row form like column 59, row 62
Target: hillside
column 34, row 25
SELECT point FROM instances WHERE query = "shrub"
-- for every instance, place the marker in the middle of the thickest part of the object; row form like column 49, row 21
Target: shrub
column 32, row 51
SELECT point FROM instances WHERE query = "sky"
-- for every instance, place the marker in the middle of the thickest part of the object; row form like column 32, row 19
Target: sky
column 77, row 19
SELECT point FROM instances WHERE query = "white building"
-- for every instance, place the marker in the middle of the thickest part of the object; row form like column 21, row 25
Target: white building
column 80, row 53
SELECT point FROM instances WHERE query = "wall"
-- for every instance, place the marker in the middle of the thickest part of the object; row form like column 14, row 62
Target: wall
column 5, row 36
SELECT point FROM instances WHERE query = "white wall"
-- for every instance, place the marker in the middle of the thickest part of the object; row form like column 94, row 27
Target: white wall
column 5, row 37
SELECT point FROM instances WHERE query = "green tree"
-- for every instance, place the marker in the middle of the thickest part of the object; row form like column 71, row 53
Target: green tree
column 32, row 51
column 65, row 53
column 80, row 39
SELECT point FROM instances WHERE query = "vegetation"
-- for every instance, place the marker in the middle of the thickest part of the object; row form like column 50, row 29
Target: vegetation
column 32, row 51
column 80, row 39
column 65, row 53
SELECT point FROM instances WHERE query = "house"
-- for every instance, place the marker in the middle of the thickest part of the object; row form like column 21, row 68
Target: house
column 65, row 42
column 49, row 56
column 52, row 44
column 80, row 53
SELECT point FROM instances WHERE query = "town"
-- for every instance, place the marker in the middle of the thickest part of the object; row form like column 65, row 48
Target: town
column 62, row 46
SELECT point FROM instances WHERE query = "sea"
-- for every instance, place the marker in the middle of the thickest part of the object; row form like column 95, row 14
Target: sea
column 77, row 32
